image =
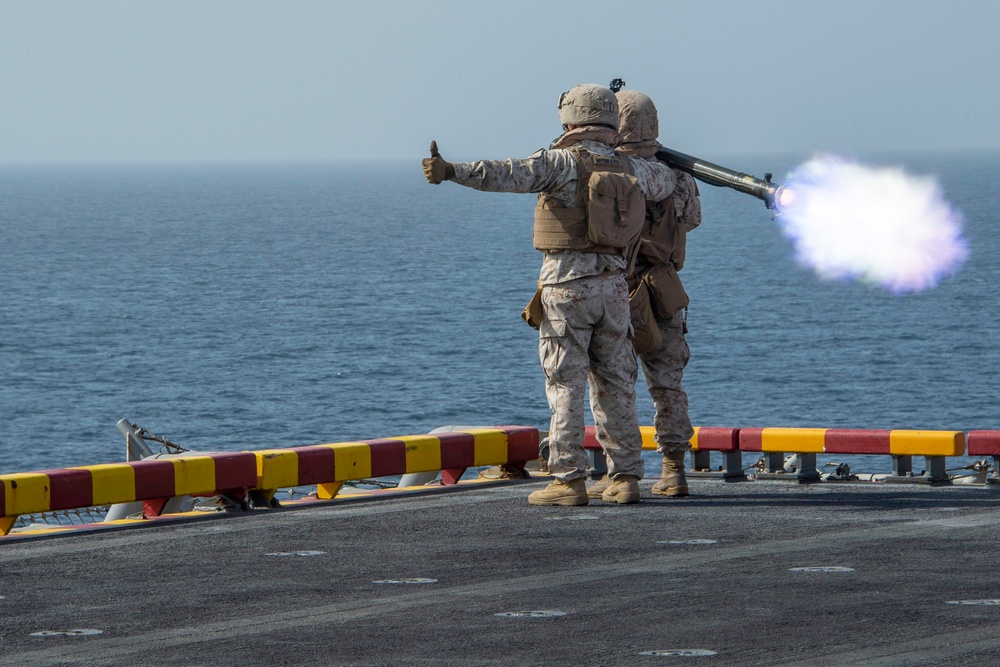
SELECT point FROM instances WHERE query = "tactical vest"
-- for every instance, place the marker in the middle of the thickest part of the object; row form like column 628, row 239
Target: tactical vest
column 607, row 215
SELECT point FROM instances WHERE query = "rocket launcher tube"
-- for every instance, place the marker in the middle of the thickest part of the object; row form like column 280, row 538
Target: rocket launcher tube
column 774, row 195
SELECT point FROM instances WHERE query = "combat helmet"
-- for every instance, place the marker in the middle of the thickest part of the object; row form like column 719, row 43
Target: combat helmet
column 589, row 104
column 637, row 119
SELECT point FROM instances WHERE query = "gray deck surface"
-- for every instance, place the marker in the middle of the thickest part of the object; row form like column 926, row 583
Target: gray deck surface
column 208, row 593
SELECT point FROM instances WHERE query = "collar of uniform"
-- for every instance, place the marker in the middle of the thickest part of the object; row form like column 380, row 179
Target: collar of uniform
column 602, row 135
column 645, row 148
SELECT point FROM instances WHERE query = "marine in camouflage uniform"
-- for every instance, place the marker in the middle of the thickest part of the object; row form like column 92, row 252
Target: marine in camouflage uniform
column 583, row 335
column 662, row 246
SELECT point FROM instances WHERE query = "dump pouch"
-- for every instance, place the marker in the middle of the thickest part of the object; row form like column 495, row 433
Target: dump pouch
column 616, row 209
column 646, row 335
column 665, row 289
column 533, row 313
column 660, row 233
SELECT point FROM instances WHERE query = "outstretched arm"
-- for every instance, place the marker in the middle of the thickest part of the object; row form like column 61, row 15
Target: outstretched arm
column 542, row 171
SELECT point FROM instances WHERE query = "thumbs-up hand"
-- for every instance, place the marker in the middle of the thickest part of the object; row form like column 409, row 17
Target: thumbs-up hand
column 436, row 168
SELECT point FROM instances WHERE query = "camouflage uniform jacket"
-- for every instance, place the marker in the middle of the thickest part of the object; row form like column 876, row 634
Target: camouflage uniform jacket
column 686, row 201
column 554, row 172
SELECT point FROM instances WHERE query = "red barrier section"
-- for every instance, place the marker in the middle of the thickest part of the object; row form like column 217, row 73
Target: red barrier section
column 316, row 464
column 69, row 489
column 856, row 441
column 522, row 443
column 458, row 450
column 153, row 479
column 718, row 439
column 751, row 439
column 388, row 456
column 983, row 443
column 234, row 471
column 590, row 438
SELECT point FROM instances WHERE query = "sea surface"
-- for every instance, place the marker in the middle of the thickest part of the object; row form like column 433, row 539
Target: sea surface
column 232, row 307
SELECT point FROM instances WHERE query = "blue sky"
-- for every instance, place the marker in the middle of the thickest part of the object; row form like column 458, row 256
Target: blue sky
column 103, row 80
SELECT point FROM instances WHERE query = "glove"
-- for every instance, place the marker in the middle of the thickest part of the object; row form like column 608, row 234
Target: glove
column 436, row 168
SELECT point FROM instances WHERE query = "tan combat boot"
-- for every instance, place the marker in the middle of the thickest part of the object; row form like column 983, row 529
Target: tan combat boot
column 623, row 489
column 561, row 493
column 672, row 482
column 595, row 490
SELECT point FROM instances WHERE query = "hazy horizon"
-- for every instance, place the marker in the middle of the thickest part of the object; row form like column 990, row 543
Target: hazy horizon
column 311, row 81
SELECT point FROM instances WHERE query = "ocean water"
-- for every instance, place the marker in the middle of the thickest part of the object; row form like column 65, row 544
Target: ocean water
column 231, row 307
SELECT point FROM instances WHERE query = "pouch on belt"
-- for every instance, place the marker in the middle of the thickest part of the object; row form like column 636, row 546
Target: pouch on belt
column 666, row 291
column 646, row 335
column 533, row 313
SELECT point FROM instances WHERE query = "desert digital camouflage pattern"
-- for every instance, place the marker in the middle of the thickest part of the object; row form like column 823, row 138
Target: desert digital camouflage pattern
column 554, row 172
column 686, row 201
column 663, row 368
column 583, row 340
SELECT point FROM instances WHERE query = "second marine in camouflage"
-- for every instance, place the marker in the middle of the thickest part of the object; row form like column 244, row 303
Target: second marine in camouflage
column 661, row 255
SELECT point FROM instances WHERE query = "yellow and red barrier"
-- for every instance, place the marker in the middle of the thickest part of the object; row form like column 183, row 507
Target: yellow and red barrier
column 902, row 445
column 155, row 481
column 329, row 466
column 852, row 441
column 706, row 439
column 986, row 443
column 774, row 443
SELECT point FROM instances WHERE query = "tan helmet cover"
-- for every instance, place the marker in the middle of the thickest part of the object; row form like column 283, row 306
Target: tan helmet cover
column 637, row 119
column 589, row 104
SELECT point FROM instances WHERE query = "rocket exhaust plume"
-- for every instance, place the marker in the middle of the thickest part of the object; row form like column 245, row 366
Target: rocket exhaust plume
column 878, row 225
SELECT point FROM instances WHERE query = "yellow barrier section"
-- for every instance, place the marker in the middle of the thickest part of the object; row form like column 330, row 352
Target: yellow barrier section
column 329, row 490
column 799, row 440
column 648, row 435
column 193, row 475
column 277, row 468
column 694, row 438
column 423, row 452
column 351, row 460
column 111, row 483
column 491, row 446
column 926, row 443
column 26, row 493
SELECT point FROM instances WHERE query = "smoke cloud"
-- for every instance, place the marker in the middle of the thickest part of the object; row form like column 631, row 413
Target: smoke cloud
column 879, row 225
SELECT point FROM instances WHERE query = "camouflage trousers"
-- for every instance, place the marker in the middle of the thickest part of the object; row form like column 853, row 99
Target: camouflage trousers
column 663, row 369
column 583, row 340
